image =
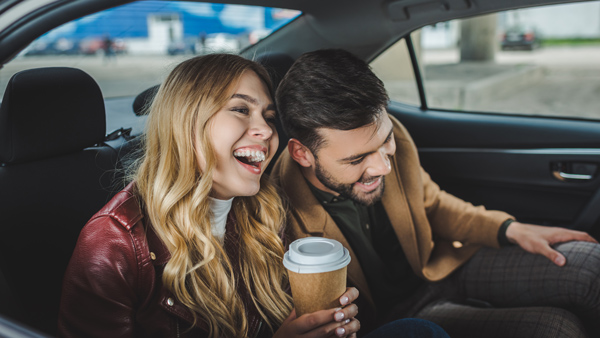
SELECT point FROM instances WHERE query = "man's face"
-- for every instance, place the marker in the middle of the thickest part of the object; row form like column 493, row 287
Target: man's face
column 353, row 163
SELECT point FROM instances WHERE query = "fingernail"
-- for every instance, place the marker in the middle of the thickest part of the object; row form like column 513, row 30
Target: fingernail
column 347, row 321
column 340, row 331
column 560, row 260
column 338, row 316
column 344, row 300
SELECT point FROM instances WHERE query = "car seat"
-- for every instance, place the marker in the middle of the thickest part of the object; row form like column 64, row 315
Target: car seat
column 277, row 64
column 55, row 173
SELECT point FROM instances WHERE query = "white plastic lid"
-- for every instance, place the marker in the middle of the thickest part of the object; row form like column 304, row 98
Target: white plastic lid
column 316, row 255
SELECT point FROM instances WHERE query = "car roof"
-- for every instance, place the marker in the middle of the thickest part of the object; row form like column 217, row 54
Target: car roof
column 365, row 28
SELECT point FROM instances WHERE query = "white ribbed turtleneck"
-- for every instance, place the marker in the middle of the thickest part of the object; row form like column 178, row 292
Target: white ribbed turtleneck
column 220, row 210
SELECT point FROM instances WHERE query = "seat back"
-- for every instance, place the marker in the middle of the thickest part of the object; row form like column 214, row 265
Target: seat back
column 277, row 64
column 55, row 173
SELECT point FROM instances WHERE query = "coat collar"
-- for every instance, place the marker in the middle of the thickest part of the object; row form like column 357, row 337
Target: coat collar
column 313, row 218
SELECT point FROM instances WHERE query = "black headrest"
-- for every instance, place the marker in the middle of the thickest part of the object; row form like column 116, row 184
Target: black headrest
column 277, row 64
column 143, row 100
column 48, row 112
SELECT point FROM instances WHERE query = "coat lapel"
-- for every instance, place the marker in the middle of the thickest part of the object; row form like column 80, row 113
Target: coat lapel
column 313, row 219
column 398, row 211
column 403, row 201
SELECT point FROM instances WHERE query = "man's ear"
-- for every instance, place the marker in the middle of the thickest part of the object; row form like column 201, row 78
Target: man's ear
column 300, row 153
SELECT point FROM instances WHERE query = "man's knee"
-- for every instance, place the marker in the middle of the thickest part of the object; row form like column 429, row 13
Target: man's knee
column 582, row 271
column 557, row 322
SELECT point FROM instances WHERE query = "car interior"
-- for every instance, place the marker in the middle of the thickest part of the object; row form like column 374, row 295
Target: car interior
column 59, row 164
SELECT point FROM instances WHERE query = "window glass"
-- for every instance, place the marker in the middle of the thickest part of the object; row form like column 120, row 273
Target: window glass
column 532, row 61
column 394, row 68
column 132, row 47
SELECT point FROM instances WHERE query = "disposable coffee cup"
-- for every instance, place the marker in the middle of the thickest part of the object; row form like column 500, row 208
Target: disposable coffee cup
column 317, row 271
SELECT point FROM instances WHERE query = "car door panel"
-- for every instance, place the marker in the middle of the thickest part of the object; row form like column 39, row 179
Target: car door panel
column 512, row 163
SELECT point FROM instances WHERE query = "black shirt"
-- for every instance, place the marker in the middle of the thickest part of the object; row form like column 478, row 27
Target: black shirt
column 373, row 240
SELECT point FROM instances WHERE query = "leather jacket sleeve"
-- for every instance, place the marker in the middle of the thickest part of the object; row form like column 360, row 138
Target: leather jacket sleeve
column 100, row 284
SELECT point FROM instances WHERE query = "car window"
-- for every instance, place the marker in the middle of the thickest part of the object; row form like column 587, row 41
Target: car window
column 394, row 68
column 532, row 61
column 130, row 48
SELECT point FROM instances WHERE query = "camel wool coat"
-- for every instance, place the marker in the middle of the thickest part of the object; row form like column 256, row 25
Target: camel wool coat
column 438, row 232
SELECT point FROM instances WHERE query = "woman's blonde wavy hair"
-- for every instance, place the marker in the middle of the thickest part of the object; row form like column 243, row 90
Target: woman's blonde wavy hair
column 175, row 191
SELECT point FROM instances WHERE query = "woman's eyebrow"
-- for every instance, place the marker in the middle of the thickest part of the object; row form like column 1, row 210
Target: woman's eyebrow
column 245, row 98
column 251, row 100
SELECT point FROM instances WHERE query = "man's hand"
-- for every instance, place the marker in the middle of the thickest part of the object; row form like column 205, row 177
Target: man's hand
column 538, row 239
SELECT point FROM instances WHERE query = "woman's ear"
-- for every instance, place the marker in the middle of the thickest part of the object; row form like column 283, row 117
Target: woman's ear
column 300, row 153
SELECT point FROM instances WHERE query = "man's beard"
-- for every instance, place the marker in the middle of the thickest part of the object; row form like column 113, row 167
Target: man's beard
column 347, row 189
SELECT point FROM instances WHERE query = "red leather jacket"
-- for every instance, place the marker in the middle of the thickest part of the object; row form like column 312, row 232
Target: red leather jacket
column 113, row 286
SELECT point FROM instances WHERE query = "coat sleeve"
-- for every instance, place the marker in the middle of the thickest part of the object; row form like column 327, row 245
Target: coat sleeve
column 98, row 296
column 449, row 217
column 453, row 219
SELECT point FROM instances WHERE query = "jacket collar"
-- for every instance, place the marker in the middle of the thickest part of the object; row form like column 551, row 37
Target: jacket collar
column 313, row 218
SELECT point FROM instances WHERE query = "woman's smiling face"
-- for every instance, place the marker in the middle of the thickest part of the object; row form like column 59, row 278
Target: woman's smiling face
column 244, row 139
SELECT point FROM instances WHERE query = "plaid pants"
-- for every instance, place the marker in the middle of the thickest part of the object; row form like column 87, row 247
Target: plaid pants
column 509, row 292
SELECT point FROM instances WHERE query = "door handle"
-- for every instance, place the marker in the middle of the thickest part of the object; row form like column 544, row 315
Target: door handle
column 573, row 171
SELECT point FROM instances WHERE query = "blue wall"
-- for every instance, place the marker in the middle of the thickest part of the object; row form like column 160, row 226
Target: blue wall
column 130, row 21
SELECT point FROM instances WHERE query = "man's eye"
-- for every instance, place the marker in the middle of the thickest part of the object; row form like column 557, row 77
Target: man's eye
column 356, row 162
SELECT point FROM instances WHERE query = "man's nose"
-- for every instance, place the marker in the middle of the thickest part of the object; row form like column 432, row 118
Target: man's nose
column 380, row 164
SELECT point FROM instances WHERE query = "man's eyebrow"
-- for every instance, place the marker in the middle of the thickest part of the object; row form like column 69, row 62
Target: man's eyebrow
column 251, row 100
column 358, row 156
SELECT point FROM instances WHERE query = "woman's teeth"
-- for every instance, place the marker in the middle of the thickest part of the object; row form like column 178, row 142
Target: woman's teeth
column 251, row 155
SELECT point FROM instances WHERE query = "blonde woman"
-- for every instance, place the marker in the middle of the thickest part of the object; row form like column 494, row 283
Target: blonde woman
column 192, row 247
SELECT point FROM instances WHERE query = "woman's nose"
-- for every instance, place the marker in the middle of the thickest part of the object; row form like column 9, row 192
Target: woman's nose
column 260, row 128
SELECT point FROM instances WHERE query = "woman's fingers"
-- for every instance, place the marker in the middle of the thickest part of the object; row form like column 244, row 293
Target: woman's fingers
column 320, row 324
column 348, row 312
column 349, row 296
column 311, row 321
column 348, row 328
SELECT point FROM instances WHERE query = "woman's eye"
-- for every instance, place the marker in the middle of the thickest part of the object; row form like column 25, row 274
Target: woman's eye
column 271, row 119
column 241, row 110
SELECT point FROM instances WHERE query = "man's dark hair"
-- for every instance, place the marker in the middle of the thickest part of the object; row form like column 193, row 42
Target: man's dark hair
column 328, row 88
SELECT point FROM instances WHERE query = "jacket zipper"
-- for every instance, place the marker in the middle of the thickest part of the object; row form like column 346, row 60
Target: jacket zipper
column 177, row 326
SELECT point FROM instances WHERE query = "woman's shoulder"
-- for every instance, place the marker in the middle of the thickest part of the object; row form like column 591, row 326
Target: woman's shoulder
column 116, row 233
column 124, row 209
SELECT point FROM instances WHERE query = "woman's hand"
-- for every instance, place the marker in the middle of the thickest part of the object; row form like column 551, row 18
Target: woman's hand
column 339, row 322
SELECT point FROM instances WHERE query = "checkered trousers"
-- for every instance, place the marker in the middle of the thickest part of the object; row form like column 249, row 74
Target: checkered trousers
column 509, row 292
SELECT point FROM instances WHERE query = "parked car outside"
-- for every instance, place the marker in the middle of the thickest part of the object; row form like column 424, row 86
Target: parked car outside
column 95, row 46
column 221, row 43
column 182, row 47
column 61, row 46
column 520, row 37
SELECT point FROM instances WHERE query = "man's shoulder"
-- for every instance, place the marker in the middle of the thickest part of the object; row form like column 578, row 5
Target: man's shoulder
column 285, row 169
